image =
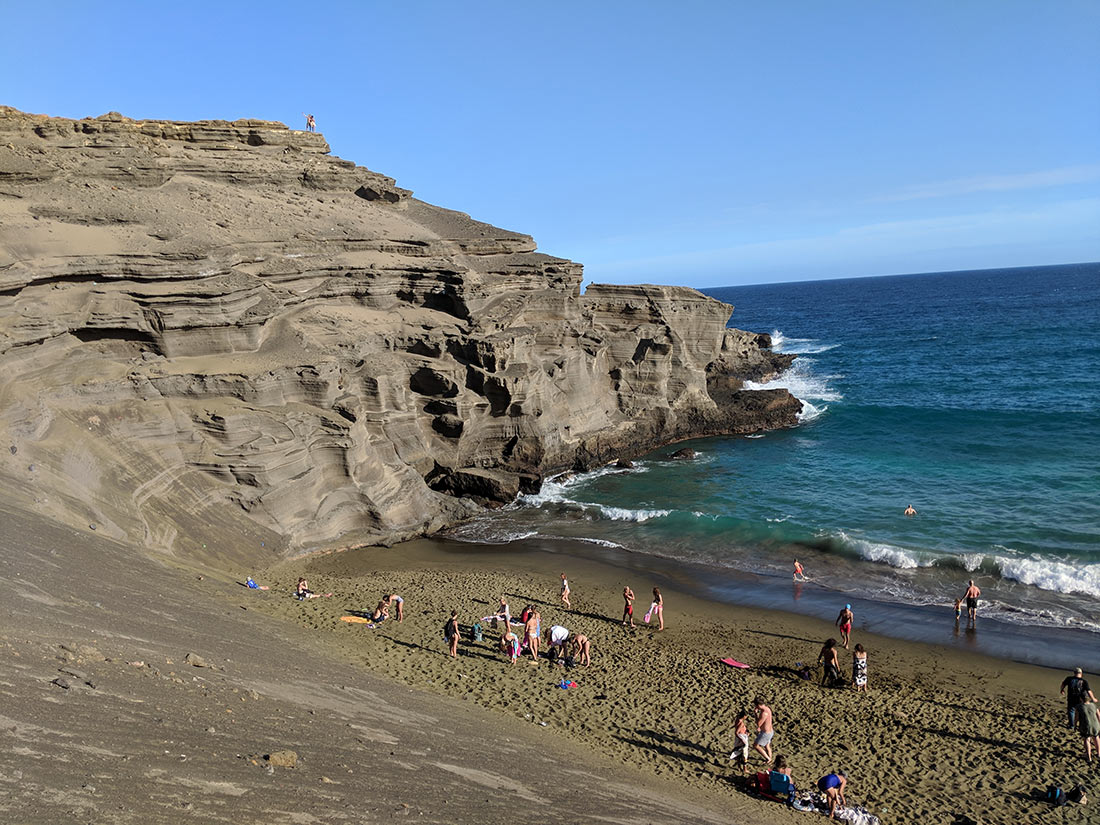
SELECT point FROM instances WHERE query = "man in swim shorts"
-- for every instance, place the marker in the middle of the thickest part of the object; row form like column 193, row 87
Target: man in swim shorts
column 844, row 622
column 764, row 729
column 799, row 574
column 971, row 598
column 628, row 607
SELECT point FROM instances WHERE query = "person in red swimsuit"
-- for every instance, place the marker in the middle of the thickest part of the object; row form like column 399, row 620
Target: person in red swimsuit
column 628, row 607
column 844, row 622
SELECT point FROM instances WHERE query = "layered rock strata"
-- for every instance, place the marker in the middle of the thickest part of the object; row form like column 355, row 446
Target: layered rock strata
column 210, row 327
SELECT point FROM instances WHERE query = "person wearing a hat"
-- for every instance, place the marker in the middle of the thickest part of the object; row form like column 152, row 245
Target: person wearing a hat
column 844, row 622
column 1076, row 690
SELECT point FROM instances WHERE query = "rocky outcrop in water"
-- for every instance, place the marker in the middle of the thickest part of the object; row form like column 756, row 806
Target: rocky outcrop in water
column 218, row 328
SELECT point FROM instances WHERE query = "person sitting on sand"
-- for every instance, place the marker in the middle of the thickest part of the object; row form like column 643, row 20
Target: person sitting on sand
column 303, row 591
column 250, row 583
column 393, row 599
column 832, row 785
column 764, row 729
column 451, row 634
column 859, row 669
column 741, row 731
column 779, row 779
column 565, row 591
column 509, row 645
column 909, row 511
column 582, row 650
column 556, row 637
column 799, row 573
column 381, row 612
column 531, row 635
column 628, row 606
column 844, row 622
column 828, row 656
column 971, row 595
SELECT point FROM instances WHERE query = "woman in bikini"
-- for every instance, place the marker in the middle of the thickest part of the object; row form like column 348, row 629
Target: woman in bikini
column 582, row 650
column 451, row 633
column 531, row 633
column 659, row 608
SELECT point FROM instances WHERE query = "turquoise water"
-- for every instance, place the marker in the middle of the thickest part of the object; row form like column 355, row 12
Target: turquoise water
column 973, row 396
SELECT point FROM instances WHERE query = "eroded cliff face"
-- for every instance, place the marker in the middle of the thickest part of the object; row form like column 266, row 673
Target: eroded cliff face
column 220, row 329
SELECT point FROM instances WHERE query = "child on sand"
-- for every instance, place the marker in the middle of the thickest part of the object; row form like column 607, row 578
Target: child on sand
column 582, row 650
column 740, row 754
column 393, row 599
column 859, row 669
column 628, row 606
column 565, row 591
column 509, row 645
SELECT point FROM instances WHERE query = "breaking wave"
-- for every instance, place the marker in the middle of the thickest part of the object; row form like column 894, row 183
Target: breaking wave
column 798, row 346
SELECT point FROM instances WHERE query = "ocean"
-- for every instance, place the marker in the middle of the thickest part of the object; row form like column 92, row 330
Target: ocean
column 972, row 396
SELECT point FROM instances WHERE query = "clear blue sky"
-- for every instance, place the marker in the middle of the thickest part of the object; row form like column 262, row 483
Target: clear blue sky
column 701, row 143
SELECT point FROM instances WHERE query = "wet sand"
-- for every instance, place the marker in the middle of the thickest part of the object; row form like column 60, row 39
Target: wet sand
column 941, row 732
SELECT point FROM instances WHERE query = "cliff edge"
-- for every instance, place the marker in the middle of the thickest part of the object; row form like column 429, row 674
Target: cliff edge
column 219, row 329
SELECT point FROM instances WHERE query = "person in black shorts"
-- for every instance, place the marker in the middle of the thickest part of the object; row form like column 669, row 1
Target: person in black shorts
column 971, row 598
column 1076, row 690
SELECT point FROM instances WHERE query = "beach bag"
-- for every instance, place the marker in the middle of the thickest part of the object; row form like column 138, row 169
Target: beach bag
column 1078, row 795
column 477, row 632
column 1055, row 796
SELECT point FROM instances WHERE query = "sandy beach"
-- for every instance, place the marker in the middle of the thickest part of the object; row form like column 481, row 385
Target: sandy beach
column 940, row 732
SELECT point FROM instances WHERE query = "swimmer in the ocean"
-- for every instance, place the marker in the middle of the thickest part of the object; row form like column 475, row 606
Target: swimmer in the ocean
column 909, row 511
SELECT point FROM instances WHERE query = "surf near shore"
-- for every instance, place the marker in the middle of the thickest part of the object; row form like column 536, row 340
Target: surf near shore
column 942, row 731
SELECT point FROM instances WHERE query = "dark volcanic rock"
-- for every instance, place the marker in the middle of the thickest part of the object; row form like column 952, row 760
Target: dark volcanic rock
column 219, row 327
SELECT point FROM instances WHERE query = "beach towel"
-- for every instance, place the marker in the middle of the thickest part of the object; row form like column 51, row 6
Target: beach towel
column 649, row 613
column 734, row 663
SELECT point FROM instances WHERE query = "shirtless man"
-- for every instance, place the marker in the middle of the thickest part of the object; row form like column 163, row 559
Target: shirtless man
column 844, row 622
column 531, row 633
column 628, row 606
column 909, row 511
column 764, row 729
column 393, row 599
column 565, row 591
column 582, row 650
column 971, row 599
column 799, row 574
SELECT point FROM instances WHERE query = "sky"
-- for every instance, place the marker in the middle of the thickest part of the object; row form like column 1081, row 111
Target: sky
column 697, row 143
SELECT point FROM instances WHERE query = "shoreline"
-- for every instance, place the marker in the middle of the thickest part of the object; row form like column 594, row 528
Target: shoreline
column 661, row 701
column 1039, row 645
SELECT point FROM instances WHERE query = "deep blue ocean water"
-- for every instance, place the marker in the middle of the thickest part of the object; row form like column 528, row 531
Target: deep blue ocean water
column 973, row 396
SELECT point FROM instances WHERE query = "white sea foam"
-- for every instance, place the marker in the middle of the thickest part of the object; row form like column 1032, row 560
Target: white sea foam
column 777, row 520
column 798, row 346
column 1049, row 574
column 755, row 435
column 802, row 383
column 626, row 514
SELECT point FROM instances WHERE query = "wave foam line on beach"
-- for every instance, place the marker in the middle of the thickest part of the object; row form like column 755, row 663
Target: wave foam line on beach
column 1044, row 574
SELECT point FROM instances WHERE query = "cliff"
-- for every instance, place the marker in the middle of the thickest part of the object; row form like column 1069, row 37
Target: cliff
column 218, row 329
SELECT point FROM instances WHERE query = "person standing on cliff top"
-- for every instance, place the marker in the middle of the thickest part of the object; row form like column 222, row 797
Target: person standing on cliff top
column 311, row 124
column 628, row 606
column 971, row 597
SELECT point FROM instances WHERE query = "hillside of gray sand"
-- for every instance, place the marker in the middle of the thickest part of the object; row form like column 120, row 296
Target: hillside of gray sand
column 220, row 343
column 133, row 695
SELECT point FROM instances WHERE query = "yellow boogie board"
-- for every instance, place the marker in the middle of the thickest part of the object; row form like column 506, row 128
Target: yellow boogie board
column 355, row 619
